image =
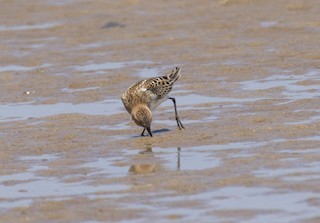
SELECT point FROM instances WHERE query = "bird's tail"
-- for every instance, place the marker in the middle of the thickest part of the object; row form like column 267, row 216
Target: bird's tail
column 174, row 75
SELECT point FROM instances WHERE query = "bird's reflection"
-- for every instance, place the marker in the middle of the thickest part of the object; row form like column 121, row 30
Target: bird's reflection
column 178, row 158
column 149, row 162
column 142, row 168
column 146, row 161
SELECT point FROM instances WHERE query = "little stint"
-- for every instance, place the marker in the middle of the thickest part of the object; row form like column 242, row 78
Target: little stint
column 144, row 96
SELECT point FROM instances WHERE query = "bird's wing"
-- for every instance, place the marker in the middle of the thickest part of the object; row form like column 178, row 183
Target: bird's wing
column 159, row 86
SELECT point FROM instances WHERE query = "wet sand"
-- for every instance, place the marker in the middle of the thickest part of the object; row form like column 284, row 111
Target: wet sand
column 248, row 97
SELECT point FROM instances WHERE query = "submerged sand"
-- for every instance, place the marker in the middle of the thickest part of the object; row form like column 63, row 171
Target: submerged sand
column 248, row 98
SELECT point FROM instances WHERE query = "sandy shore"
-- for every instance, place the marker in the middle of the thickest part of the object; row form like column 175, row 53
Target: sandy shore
column 248, row 98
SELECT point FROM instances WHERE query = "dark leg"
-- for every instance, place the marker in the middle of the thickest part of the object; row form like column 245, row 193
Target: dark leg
column 179, row 123
column 149, row 131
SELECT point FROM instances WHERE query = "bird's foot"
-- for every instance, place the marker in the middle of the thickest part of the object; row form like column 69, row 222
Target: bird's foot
column 179, row 124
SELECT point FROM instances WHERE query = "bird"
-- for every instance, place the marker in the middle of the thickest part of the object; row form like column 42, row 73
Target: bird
column 141, row 98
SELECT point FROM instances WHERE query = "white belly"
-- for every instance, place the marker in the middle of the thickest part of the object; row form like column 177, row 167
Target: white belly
column 155, row 103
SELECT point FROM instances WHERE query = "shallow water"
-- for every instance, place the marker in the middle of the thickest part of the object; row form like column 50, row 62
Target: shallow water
column 68, row 90
column 310, row 171
column 240, row 199
column 20, row 189
column 247, row 96
column 109, row 65
column 13, row 67
column 25, row 110
column 292, row 84
column 268, row 24
column 21, row 111
column 29, row 27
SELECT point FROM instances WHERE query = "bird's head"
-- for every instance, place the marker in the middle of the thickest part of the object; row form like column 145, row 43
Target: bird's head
column 142, row 116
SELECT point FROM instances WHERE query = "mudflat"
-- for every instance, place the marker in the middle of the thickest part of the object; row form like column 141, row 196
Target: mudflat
column 248, row 97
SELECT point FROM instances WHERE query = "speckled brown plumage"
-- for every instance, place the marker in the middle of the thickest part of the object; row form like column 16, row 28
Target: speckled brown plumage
column 144, row 96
